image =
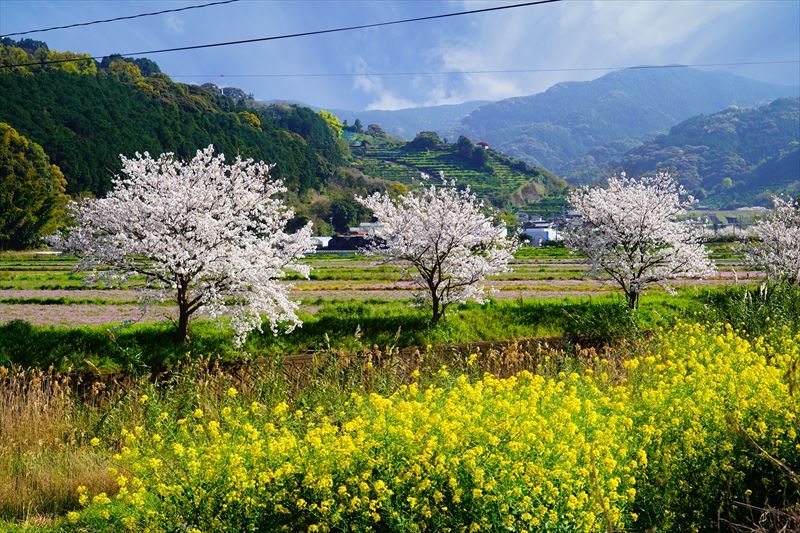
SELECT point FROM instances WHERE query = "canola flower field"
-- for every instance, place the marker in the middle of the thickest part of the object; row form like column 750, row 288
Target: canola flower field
column 663, row 437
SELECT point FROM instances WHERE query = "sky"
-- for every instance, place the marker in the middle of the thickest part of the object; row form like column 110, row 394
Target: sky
column 564, row 35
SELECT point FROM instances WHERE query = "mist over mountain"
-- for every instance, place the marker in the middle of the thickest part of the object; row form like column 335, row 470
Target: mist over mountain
column 406, row 123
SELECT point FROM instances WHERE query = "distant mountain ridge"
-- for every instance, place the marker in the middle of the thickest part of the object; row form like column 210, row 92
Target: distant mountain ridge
column 406, row 123
column 573, row 128
column 737, row 155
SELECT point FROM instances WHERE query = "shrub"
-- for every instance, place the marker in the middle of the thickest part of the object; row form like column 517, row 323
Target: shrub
column 763, row 310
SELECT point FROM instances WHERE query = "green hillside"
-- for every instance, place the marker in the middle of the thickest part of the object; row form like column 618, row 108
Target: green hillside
column 503, row 181
column 735, row 156
column 86, row 114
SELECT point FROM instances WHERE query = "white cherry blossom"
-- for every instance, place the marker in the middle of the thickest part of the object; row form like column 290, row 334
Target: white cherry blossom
column 443, row 234
column 203, row 233
column 631, row 231
column 777, row 245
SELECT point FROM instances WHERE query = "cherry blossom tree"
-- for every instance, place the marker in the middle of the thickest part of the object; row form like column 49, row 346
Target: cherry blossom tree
column 777, row 245
column 203, row 233
column 631, row 231
column 442, row 233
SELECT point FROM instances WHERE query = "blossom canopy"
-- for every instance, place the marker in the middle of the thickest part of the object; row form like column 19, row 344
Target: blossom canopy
column 443, row 234
column 777, row 246
column 631, row 231
column 205, row 233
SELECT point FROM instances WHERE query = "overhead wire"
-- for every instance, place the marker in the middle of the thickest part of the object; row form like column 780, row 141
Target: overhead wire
column 128, row 17
column 291, row 35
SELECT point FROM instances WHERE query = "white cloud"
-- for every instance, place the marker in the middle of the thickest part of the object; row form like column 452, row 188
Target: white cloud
column 174, row 23
column 382, row 98
column 569, row 35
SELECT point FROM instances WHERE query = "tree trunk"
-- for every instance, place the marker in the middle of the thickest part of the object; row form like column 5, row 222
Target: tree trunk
column 183, row 323
column 437, row 309
column 183, row 313
column 633, row 299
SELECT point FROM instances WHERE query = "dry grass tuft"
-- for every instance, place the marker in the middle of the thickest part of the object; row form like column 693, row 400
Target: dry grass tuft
column 43, row 455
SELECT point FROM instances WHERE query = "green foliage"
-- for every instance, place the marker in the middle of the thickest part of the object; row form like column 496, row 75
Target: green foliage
column 346, row 212
column 332, row 121
column 250, row 119
column 312, row 127
column 32, row 191
column 86, row 114
column 491, row 175
column 479, row 157
column 734, row 154
column 465, row 147
column 146, row 67
column 425, row 140
column 374, row 130
column 336, row 201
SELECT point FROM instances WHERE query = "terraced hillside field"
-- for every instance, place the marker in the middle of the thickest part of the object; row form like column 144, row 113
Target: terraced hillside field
column 502, row 181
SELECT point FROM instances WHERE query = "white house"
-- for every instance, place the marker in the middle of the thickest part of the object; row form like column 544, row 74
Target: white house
column 365, row 228
column 320, row 241
column 539, row 232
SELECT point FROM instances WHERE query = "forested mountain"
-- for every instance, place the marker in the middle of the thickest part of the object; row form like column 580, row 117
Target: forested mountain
column 406, row 123
column 86, row 114
column 732, row 156
column 574, row 128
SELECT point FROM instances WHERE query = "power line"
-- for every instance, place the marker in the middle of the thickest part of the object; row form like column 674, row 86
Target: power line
column 120, row 18
column 508, row 71
column 291, row 35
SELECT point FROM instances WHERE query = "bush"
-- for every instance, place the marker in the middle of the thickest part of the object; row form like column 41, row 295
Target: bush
column 600, row 324
column 758, row 311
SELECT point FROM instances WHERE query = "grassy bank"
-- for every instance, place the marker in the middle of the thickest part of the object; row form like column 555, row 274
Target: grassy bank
column 350, row 325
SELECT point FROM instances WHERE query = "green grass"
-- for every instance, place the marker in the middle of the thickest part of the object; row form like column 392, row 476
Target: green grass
column 351, row 325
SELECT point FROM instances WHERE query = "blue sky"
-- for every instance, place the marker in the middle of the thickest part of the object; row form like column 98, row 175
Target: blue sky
column 564, row 35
